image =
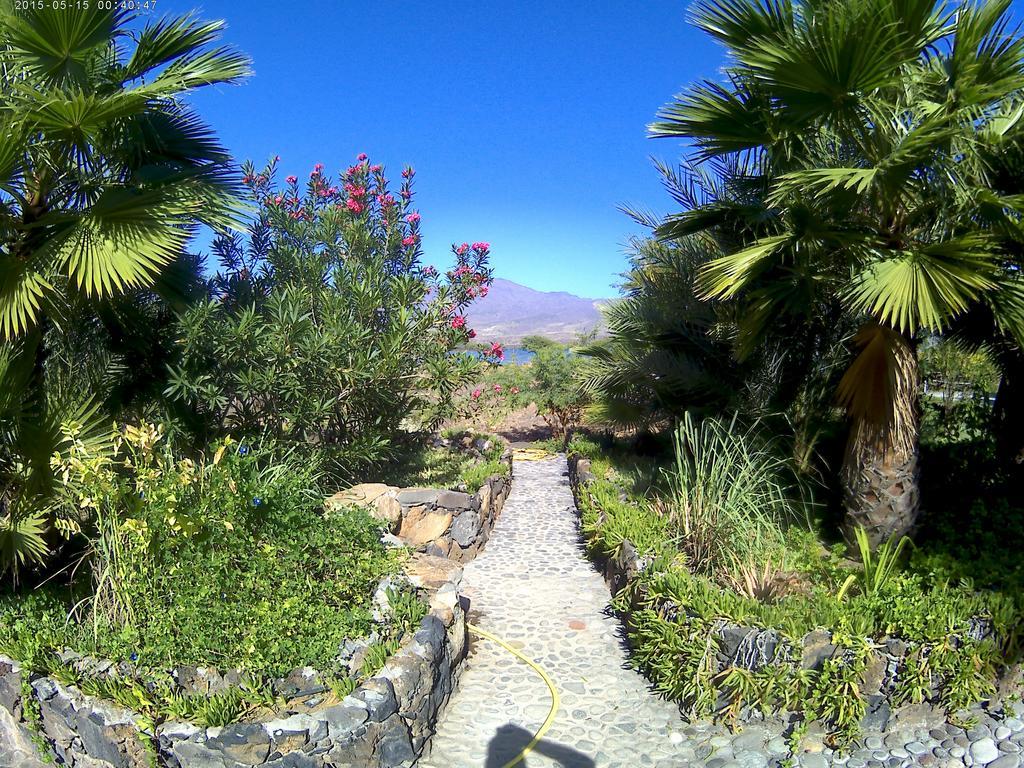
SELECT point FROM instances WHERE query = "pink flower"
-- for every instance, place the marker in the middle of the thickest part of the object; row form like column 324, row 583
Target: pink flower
column 472, row 333
column 246, row 179
column 354, row 205
column 406, row 194
column 408, row 173
column 332, row 191
column 376, row 168
column 278, row 199
column 409, row 240
column 430, row 271
column 458, row 322
column 497, row 387
column 412, row 218
column 277, row 158
column 497, row 351
column 386, row 201
column 292, row 179
column 361, row 156
column 476, row 394
column 481, row 246
column 462, row 249
column 483, row 291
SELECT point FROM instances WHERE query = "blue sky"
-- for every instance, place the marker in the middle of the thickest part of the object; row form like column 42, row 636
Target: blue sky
column 525, row 121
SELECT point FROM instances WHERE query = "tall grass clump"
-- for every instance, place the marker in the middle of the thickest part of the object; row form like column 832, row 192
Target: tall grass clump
column 732, row 494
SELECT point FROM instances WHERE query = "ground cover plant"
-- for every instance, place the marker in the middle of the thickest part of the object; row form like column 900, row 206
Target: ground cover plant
column 463, row 464
column 228, row 557
column 720, row 549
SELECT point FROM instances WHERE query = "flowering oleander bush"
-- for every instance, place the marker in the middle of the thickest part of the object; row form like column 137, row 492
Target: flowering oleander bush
column 323, row 328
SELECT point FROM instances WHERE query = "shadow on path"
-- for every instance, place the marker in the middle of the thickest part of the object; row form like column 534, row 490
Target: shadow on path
column 509, row 741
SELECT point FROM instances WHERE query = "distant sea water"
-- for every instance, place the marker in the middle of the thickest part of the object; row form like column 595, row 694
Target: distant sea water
column 513, row 356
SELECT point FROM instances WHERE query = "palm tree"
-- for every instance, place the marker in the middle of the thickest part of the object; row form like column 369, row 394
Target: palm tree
column 865, row 118
column 105, row 173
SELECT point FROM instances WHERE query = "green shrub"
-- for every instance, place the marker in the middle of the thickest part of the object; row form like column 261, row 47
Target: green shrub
column 225, row 560
column 731, row 494
column 675, row 609
column 324, row 329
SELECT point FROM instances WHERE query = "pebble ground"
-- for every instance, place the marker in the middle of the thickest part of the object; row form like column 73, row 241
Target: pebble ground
column 534, row 587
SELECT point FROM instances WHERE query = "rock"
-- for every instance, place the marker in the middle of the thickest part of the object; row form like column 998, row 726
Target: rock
column 395, row 745
column 246, row 743
column 813, row 761
column 817, row 647
column 380, row 499
column 1002, row 732
column 421, row 526
column 914, row 716
column 877, row 714
column 378, row 694
column 345, row 718
column 485, row 499
column 409, row 497
column 432, row 572
column 984, row 751
column 1005, row 761
column 466, row 528
column 456, row 500
column 108, row 735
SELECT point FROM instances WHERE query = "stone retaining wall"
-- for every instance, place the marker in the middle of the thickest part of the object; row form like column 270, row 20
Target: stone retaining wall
column 443, row 523
column 754, row 647
column 384, row 723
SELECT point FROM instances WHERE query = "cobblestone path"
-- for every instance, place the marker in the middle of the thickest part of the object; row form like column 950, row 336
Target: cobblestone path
column 534, row 587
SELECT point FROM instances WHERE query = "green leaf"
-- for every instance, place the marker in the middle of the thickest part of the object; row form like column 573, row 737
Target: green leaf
column 726, row 276
column 925, row 288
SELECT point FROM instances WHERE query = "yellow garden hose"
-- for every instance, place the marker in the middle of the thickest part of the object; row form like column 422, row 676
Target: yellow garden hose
column 544, row 676
column 531, row 454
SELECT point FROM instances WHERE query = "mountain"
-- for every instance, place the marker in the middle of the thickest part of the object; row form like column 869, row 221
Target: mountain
column 511, row 311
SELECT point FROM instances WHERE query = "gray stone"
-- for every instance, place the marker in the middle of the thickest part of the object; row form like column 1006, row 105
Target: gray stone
column 195, row 755
column 1009, row 747
column 466, row 528
column 395, row 745
column 813, row 761
column 817, row 647
column 456, row 500
column 343, row 720
column 408, row 497
column 246, row 743
column 877, row 713
column 378, row 694
column 873, row 742
column 984, row 751
column 1002, row 732
column 1014, row 724
column 1005, row 761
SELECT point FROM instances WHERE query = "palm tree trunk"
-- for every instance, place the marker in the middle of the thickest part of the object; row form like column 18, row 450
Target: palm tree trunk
column 880, row 468
column 1008, row 411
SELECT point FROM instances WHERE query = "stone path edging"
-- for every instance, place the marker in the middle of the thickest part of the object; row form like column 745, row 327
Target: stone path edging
column 534, row 586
